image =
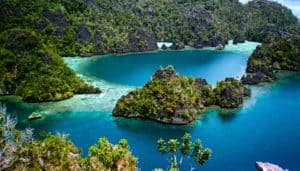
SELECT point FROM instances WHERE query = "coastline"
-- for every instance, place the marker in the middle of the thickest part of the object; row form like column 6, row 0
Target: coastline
column 110, row 92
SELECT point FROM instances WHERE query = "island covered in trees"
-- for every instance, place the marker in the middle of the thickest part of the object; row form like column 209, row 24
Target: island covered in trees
column 37, row 33
column 171, row 98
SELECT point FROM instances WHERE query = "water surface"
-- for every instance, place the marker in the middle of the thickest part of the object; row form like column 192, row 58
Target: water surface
column 267, row 127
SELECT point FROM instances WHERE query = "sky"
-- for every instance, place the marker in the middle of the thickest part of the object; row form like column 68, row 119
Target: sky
column 294, row 5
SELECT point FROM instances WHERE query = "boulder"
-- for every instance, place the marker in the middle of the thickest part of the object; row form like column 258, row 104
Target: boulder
column 164, row 47
column 265, row 166
column 220, row 47
column 238, row 39
column 276, row 66
column 34, row 116
column 177, row 46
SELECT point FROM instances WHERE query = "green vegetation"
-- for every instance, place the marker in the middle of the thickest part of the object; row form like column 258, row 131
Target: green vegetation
column 107, row 156
column 34, row 34
column 31, row 70
column 230, row 93
column 186, row 148
column 171, row 98
column 19, row 151
column 101, row 26
column 278, row 55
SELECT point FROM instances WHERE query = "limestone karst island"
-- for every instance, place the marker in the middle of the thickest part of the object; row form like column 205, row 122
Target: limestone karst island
column 149, row 85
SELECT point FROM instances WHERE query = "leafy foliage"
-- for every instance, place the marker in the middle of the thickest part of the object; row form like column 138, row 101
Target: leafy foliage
column 171, row 98
column 230, row 93
column 112, row 157
column 167, row 97
column 266, row 60
column 31, row 70
column 34, row 33
column 114, row 26
column 19, row 151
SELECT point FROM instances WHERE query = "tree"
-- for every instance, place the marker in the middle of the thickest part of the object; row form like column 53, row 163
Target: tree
column 20, row 151
column 11, row 140
column 186, row 148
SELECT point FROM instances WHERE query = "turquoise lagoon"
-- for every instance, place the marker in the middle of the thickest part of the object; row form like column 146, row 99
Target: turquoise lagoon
column 266, row 129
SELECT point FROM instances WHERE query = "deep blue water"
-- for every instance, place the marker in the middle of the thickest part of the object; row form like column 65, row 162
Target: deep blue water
column 266, row 129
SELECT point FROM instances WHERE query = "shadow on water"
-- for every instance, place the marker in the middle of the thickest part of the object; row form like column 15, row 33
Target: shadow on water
column 148, row 127
column 227, row 117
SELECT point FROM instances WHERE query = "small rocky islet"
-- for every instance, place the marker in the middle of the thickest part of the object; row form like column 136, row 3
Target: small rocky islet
column 268, row 59
column 174, row 99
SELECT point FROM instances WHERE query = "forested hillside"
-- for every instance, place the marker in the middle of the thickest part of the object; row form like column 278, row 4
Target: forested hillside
column 89, row 27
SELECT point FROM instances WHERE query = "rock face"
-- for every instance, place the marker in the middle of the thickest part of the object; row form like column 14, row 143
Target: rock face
column 261, row 166
column 55, row 17
column 199, row 19
column 230, row 93
column 266, row 33
column 142, row 40
column 122, row 47
column 213, row 42
column 267, row 60
column 177, row 46
column 220, row 47
column 164, row 47
column 239, row 38
column 170, row 98
column 83, row 34
column 99, row 44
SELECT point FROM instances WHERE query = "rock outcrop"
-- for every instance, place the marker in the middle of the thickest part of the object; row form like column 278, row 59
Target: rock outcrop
column 220, row 47
column 164, row 47
column 163, row 99
column 34, row 116
column 262, row 166
column 99, row 44
column 267, row 60
column 230, row 93
column 174, row 99
column 142, row 40
column 239, row 38
column 177, row 46
column 55, row 17
column 83, row 34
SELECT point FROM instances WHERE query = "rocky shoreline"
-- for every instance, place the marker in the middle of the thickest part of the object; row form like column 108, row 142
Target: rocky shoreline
column 265, row 166
column 267, row 60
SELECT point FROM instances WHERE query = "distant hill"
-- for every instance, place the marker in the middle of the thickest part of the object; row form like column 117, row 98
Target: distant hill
column 89, row 27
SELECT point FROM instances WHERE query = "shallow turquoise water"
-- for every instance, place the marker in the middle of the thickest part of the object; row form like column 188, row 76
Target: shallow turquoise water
column 267, row 127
